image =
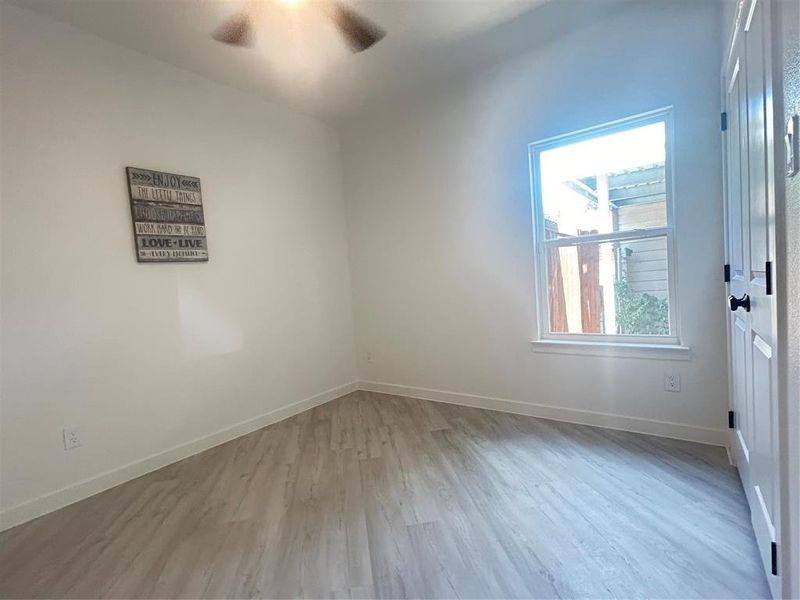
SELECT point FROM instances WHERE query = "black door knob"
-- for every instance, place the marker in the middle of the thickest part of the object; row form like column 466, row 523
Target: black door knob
column 736, row 303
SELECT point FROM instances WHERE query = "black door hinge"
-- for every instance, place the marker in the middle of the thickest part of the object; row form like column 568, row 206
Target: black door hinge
column 731, row 419
column 774, row 557
column 723, row 118
column 726, row 273
column 768, row 269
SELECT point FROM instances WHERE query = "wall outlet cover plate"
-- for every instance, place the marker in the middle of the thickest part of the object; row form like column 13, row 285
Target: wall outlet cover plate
column 672, row 382
column 792, row 143
column 72, row 438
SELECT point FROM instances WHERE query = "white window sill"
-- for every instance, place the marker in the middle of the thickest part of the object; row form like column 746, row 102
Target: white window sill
column 614, row 349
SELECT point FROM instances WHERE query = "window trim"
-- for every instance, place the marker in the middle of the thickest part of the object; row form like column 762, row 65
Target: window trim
column 613, row 349
column 543, row 337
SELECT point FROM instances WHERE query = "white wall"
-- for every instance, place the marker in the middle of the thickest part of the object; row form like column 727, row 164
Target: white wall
column 147, row 358
column 437, row 186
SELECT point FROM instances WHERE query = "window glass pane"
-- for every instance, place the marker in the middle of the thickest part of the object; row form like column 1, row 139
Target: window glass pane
column 613, row 182
column 618, row 287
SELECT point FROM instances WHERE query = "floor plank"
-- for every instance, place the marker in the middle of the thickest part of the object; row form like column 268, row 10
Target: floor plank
column 377, row 496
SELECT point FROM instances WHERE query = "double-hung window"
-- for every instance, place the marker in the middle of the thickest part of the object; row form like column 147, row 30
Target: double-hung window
column 603, row 229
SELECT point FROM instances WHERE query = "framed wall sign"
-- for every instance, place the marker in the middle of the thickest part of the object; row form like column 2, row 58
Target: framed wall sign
column 167, row 213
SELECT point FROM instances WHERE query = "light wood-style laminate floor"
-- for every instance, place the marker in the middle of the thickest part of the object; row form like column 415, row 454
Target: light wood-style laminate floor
column 383, row 496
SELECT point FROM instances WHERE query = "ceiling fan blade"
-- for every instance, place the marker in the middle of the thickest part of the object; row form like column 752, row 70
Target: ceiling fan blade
column 236, row 31
column 360, row 32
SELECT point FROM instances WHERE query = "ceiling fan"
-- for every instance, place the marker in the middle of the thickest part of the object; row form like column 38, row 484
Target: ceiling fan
column 359, row 32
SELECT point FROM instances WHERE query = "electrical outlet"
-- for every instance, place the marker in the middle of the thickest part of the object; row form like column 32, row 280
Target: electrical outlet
column 72, row 438
column 368, row 356
column 672, row 382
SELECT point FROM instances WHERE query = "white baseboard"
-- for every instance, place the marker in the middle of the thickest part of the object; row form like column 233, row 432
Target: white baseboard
column 680, row 431
column 15, row 515
column 51, row 501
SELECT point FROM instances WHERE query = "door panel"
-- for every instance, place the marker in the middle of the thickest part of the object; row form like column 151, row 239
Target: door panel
column 735, row 157
column 739, row 387
column 763, row 425
column 750, row 231
column 757, row 155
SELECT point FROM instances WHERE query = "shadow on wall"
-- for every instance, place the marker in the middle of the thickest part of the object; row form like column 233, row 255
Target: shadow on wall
column 205, row 330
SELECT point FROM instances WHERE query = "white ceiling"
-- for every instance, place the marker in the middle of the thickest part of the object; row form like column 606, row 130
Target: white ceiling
column 300, row 59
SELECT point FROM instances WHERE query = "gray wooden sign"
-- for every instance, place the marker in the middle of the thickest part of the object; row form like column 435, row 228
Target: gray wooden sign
column 167, row 212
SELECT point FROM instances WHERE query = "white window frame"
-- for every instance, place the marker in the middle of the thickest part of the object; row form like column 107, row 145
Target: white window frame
column 667, row 346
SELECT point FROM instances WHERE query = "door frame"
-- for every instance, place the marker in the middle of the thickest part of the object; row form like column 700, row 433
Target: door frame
column 788, row 383
column 788, row 399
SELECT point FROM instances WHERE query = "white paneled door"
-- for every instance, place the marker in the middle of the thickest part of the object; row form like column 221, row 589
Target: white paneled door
column 750, row 270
